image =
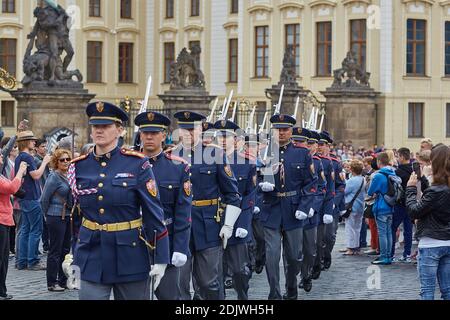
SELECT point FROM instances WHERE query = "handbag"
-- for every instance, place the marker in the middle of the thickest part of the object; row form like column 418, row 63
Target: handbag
column 368, row 213
column 349, row 206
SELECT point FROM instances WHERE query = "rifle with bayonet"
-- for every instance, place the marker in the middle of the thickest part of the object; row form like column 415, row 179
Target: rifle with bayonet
column 269, row 157
column 137, row 137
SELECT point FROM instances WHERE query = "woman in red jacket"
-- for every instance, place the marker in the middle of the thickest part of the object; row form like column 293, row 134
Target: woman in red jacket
column 7, row 189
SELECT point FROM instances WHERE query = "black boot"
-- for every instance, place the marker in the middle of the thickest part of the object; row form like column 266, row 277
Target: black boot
column 316, row 272
column 300, row 285
column 327, row 263
column 307, row 284
column 291, row 294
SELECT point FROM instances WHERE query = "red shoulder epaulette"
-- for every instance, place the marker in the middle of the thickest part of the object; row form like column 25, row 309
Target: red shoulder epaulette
column 334, row 159
column 316, row 157
column 170, row 156
column 132, row 153
column 80, row 158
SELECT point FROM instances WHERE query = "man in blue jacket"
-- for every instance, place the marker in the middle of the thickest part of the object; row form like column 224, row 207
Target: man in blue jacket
column 382, row 211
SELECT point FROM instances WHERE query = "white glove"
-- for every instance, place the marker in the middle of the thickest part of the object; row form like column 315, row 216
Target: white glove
column 327, row 219
column 225, row 233
column 158, row 272
column 241, row 233
column 300, row 215
column 342, row 212
column 311, row 213
column 231, row 215
column 256, row 210
column 267, row 186
column 179, row 259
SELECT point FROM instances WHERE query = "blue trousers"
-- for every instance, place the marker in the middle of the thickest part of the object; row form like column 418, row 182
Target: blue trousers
column 401, row 215
column 384, row 226
column 30, row 233
column 434, row 263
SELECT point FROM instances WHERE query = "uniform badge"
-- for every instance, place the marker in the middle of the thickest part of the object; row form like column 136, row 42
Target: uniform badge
column 146, row 165
column 151, row 187
column 300, row 130
column 342, row 176
column 187, row 115
column 187, row 188
column 205, row 125
column 151, row 116
column 100, row 106
column 223, row 123
column 228, row 171
column 323, row 176
column 311, row 167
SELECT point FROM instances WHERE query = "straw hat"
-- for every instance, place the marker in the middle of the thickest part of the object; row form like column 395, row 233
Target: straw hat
column 25, row 135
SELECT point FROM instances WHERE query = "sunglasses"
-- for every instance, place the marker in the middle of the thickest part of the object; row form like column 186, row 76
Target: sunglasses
column 65, row 160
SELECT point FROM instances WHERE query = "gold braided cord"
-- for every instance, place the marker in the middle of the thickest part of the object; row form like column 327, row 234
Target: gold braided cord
column 7, row 81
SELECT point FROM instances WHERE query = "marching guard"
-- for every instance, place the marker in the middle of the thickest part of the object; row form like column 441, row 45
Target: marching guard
column 325, row 228
column 113, row 186
column 236, row 254
column 290, row 202
column 172, row 177
column 213, row 185
column 308, row 139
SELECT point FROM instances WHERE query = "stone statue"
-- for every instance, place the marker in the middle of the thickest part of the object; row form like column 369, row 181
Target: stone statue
column 185, row 73
column 50, row 37
column 357, row 77
column 289, row 74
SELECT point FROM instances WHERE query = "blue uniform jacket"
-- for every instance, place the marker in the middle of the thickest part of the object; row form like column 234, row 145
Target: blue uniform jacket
column 319, row 196
column 300, row 178
column 244, row 170
column 328, row 201
column 339, row 199
column 172, row 177
column 211, row 178
column 125, row 185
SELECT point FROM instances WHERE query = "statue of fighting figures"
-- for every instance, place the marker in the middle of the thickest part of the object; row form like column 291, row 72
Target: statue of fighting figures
column 185, row 73
column 289, row 73
column 357, row 77
column 50, row 38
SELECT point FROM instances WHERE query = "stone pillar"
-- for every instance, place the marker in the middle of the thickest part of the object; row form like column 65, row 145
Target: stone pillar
column 289, row 100
column 51, row 108
column 351, row 115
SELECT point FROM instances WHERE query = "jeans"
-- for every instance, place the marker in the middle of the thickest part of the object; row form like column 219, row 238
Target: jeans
column 363, row 234
column 384, row 225
column 401, row 215
column 30, row 233
column 434, row 263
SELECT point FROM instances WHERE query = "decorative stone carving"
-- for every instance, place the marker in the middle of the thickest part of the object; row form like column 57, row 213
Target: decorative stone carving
column 50, row 37
column 185, row 73
column 354, row 75
column 288, row 73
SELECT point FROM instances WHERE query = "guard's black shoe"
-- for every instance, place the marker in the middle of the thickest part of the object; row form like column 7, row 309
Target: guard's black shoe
column 6, row 297
column 290, row 295
column 300, row 285
column 327, row 264
column 316, row 273
column 228, row 283
column 259, row 268
column 307, row 285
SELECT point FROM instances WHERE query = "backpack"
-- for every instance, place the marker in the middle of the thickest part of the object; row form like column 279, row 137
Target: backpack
column 396, row 193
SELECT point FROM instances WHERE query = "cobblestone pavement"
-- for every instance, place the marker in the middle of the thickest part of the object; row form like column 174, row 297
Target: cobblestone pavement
column 346, row 279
